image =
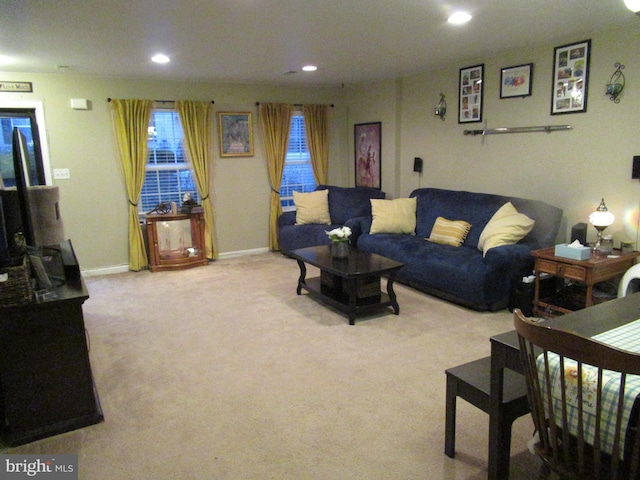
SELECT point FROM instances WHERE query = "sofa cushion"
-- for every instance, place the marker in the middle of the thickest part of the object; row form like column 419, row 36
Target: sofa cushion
column 312, row 207
column 449, row 232
column 474, row 208
column 350, row 202
column 506, row 227
column 393, row 216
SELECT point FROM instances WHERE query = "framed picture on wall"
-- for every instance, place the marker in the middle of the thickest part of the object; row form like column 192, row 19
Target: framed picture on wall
column 367, row 140
column 236, row 134
column 516, row 81
column 570, row 78
column 470, row 94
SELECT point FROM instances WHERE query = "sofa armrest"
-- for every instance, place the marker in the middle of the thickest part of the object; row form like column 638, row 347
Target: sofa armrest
column 512, row 257
column 358, row 226
column 287, row 218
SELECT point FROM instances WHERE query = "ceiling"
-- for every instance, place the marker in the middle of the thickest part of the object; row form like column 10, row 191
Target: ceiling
column 268, row 41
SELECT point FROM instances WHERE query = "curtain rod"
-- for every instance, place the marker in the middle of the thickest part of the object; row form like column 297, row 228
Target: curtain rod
column 159, row 101
column 295, row 104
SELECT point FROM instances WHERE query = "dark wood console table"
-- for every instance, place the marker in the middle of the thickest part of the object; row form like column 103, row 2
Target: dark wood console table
column 46, row 383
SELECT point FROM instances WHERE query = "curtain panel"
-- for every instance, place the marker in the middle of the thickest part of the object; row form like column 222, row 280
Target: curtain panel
column 195, row 118
column 275, row 122
column 131, row 123
column 317, row 128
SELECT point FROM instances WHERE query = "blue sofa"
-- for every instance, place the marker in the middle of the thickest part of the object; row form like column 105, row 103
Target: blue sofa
column 462, row 274
column 345, row 205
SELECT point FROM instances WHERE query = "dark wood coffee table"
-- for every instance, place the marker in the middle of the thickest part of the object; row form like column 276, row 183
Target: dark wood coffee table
column 350, row 285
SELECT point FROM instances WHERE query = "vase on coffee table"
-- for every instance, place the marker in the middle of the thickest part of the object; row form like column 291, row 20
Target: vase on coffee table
column 340, row 249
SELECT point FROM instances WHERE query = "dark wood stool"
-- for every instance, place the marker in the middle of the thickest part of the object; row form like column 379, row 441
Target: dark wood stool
column 471, row 382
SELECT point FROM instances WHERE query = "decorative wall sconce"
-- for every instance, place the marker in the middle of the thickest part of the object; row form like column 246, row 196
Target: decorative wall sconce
column 601, row 219
column 441, row 109
column 616, row 83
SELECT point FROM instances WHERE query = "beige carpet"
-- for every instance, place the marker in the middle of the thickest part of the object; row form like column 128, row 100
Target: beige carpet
column 223, row 372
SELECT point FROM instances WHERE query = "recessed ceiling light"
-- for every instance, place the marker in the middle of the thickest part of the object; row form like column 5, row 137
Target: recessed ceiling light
column 4, row 60
column 633, row 5
column 309, row 68
column 160, row 58
column 459, row 18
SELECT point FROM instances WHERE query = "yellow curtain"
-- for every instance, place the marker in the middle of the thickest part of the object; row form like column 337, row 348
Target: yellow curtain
column 196, row 126
column 317, row 128
column 131, row 122
column 275, row 120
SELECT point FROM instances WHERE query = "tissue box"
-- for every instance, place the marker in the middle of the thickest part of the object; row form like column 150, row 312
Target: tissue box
column 580, row 253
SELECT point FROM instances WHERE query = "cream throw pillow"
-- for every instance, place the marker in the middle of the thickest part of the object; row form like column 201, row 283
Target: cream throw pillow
column 506, row 227
column 312, row 207
column 449, row 232
column 393, row 216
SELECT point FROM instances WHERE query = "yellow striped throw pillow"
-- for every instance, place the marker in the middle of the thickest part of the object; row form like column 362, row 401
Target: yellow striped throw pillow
column 449, row 232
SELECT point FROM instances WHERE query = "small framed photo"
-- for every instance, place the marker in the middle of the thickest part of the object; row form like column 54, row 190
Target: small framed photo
column 236, row 134
column 470, row 94
column 570, row 78
column 367, row 139
column 516, row 81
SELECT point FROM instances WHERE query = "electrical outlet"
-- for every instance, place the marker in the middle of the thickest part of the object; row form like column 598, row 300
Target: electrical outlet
column 61, row 173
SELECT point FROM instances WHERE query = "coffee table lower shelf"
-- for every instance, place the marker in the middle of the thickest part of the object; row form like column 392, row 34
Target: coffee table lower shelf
column 352, row 305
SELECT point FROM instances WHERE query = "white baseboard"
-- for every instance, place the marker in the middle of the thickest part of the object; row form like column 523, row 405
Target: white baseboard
column 92, row 272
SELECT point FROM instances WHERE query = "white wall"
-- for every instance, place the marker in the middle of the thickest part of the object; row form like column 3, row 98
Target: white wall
column 572, row 170
column 93, row 203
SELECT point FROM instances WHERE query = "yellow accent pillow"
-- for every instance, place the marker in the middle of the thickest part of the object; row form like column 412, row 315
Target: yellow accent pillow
column 393, row 216
column 312, row 207
column 449, row 232
column 506, row 227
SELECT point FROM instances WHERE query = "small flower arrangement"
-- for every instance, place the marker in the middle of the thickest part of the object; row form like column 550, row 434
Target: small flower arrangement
column 339, row 235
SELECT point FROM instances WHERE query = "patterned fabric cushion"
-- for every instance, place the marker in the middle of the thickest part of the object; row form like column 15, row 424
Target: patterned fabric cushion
column 449, row 232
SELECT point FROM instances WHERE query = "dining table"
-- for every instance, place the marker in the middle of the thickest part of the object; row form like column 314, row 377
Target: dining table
column 605, row 322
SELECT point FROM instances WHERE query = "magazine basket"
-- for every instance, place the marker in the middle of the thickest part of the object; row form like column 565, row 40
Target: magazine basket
column 15, row 284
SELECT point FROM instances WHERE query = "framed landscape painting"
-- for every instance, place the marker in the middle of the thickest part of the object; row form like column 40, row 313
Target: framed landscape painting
column 367, row 139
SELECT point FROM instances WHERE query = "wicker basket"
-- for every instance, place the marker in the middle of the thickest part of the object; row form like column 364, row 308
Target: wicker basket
column 15, row 284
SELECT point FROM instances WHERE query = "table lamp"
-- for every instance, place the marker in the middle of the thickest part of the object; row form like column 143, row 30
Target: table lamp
column 601, row 219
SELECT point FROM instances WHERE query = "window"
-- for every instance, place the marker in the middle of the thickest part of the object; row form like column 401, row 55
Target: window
column 298, row 172
column 25, row 120
column 168, row 176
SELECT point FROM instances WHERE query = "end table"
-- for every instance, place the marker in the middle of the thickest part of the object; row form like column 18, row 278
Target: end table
column 597, row 268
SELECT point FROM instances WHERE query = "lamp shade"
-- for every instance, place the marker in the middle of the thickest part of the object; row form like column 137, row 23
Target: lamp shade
column 601, row 217
column 633, row 5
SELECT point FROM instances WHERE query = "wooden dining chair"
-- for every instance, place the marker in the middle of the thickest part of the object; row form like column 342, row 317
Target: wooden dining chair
column 580, row 421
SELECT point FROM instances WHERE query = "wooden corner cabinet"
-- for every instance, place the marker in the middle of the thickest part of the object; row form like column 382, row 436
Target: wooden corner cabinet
column 176, row 241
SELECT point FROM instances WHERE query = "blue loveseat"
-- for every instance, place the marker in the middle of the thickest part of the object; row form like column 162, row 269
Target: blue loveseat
column 463, row 274
column 346, row 204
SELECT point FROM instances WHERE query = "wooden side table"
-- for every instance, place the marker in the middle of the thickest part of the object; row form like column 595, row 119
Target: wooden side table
column 597, row 268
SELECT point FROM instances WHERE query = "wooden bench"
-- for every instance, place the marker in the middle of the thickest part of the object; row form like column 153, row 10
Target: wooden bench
column 471, row 382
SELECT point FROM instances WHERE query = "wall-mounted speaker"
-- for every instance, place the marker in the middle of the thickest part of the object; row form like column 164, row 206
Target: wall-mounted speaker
column 417, row 164
column 635, row 172
column 579, row 232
